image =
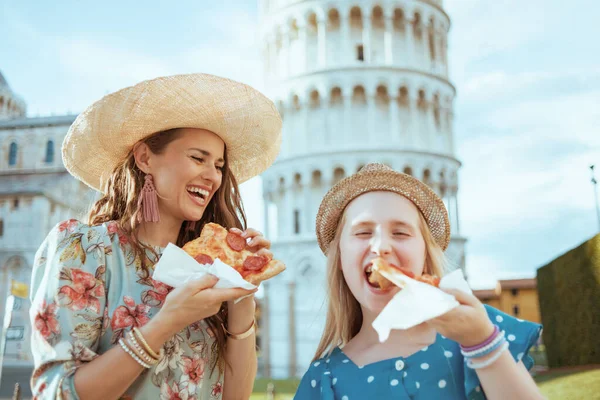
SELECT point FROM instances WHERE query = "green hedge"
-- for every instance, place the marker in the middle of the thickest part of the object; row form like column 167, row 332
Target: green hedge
column 569, row 296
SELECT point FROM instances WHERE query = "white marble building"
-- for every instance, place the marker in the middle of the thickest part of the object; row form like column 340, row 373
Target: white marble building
column 36, row 192
column 355, row 82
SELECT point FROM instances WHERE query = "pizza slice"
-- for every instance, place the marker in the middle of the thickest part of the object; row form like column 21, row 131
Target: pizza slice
column 385, row 274
column 217, row 242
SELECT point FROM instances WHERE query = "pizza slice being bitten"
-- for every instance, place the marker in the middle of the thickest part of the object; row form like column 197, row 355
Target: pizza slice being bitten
column 384, row 274
column 217, row 242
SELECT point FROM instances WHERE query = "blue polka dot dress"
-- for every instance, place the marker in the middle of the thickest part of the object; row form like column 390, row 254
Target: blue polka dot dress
column 435, row 372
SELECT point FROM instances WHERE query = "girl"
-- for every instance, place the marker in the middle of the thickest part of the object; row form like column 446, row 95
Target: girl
column 167, row 156
column 379, row 212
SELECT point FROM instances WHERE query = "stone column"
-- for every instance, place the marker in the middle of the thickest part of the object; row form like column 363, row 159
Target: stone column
column 388, row 39
column 285, row 32
column 396, row 133
column 410, row 43
column 366, row 35
column 322, row 40
column 344, row 38
column 303, row 37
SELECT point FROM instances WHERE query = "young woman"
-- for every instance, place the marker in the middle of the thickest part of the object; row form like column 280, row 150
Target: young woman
column 167, row 156
column 462, row 354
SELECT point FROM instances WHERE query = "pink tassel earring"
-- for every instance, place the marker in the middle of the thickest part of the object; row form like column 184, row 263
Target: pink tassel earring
column 148, row 202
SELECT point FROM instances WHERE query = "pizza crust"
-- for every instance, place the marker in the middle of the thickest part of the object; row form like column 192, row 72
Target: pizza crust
column 384, row 269
column 213, row 242
column 386, row 275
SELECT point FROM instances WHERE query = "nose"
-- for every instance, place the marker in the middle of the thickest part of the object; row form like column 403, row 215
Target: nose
column 380, row 243
column 213, row 175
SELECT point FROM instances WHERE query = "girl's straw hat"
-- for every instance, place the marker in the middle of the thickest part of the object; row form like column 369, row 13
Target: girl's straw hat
column 103, row 135
column 379, row 177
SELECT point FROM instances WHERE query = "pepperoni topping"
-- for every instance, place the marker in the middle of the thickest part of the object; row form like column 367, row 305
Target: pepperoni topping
column 204, row 258
column 255, row 263
column 235, row 241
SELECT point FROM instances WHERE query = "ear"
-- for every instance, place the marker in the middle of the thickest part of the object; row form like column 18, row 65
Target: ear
column 141, row 154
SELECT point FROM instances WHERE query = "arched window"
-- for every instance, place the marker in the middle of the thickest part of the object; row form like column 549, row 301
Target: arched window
column 338, row 175
column 12, row 154
column 49, row 152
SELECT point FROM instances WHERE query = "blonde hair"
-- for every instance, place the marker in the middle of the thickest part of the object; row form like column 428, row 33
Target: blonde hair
column 120, row 204
column 344, row 315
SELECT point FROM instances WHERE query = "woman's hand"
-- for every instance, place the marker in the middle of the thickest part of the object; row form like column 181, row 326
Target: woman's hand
column 196, row 300
column 257, row 244
column 468, row 324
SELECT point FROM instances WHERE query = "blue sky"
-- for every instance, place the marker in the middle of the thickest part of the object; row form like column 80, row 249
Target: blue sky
column 527, row 116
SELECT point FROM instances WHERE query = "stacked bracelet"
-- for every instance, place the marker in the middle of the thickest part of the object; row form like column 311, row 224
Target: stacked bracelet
column 136, row 346
column 496, row 344
column 128, row 350
column 139, row 350
column 490, row 360
column 487, row 349
column 145, row 344
column 484, row 343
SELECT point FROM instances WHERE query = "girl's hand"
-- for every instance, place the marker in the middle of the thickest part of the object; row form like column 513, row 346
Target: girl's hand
column 257, row 244
column 468, row 324
column 194, row 301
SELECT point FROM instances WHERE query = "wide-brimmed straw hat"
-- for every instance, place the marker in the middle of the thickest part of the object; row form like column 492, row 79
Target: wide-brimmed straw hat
column 379, row 177
column 103, row 135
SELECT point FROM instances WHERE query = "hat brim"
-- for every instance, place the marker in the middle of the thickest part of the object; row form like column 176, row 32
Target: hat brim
column 340, row 195
column 104, row 134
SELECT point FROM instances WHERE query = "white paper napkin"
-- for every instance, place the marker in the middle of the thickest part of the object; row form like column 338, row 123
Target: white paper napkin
column 176, row 267
column 418, row 302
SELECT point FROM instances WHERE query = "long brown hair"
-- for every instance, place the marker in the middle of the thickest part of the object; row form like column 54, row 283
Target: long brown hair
column 344, row 315
column 120, row 204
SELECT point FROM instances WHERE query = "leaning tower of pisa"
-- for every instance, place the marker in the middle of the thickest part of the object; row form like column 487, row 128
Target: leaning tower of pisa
column 356, row 82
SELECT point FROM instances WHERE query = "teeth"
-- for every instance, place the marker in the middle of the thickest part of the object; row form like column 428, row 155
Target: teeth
column 198, row 190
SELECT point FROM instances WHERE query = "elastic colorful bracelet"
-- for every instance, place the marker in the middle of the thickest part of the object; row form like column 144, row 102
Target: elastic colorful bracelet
column 477, row 353
column 132, row 354
column 490, row 350
column 139, row 350
column 490, row 360
column 485, row 342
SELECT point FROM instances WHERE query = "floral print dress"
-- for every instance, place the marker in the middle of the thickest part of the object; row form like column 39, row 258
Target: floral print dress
column 88, row 289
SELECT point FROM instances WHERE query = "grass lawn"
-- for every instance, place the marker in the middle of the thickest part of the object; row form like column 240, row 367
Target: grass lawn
column 262, row 396
column 572, row 385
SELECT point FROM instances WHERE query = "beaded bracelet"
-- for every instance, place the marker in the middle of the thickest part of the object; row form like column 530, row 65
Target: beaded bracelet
column 140, row 352
column 490, row 360
column 132, row 354
column 496, row 342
